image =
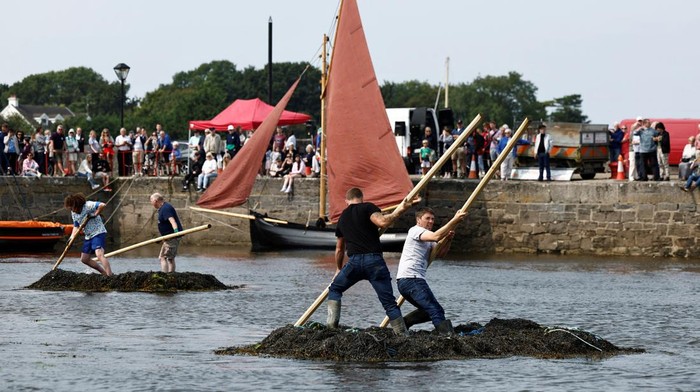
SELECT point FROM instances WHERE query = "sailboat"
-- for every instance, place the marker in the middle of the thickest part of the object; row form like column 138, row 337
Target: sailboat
column 359, row 143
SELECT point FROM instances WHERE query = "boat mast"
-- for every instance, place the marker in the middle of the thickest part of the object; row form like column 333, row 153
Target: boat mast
column 322, row 177
column 447, row 83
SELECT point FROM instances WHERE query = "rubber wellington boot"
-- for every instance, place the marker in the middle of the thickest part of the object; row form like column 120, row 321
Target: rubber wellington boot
column 418, row 316
column 399, row 326
column 333, row 314
column 445, row 328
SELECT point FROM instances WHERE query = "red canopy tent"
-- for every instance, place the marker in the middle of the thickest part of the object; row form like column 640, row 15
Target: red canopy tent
column 248, row 114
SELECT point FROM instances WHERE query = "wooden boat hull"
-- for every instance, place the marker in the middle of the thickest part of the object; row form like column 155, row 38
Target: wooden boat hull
column 31, row 235
column 265, row 235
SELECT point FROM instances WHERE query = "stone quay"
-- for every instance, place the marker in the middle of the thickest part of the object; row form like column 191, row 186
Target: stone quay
column 596, row 217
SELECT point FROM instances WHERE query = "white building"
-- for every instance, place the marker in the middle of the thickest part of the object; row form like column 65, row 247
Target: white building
column 35, row 115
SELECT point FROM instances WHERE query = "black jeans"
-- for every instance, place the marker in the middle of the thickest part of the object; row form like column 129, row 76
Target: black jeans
column 649, row 159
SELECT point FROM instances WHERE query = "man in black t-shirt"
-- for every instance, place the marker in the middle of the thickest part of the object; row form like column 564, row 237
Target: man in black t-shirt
column 357, row 231
column 56, row 150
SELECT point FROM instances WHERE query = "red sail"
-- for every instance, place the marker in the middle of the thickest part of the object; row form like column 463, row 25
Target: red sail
column 361, row 148
column 234, row 185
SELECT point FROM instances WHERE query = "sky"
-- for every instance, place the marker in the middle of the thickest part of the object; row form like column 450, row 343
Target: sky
column 626, row 58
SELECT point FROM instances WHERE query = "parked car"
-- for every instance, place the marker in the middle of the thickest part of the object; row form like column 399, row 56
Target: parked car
column 184, row 149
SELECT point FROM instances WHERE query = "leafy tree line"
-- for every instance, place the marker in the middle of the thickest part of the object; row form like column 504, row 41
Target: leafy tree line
column 201, row 93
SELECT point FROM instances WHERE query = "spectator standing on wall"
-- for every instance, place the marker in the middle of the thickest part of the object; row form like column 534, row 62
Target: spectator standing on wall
column 56, row 146
column 38, row 148
column 664, row 148
column 139, row 144
column 647, row 150
column 459, row 157
column 445, row 141
column 123, row 144
column 80, row 137
column 71, row 152
column 543, row 146
column 11, row 151
column 4, row 164
column 616, row 136
column 165, row 146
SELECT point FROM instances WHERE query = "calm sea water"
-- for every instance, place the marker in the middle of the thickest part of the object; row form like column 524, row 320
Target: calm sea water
column 70, row 341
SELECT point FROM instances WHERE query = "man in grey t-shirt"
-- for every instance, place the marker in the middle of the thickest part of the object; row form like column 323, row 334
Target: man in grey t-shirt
column 413, row 264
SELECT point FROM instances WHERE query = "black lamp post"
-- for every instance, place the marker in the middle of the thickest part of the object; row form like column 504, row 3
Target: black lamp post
column 122, row 71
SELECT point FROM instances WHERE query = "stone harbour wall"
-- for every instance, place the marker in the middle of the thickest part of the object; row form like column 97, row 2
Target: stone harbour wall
column 597, row 217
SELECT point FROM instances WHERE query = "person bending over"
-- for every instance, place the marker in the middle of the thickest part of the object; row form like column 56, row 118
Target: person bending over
column 95, row 231
column 414, row 263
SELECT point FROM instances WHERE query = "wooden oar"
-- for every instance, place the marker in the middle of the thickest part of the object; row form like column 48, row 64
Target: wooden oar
column 411, row 195
column 154, row 240
column 235, row 215
column 70, row 242
column 494, row 167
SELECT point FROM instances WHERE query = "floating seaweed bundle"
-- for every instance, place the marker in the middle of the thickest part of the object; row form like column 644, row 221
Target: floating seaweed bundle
column 497, row 339
column 60, row 280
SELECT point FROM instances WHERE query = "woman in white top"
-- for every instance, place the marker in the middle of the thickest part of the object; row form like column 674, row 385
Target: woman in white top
column 687, row 159
column 298, row 169
column 94, row 148
column 209, row 173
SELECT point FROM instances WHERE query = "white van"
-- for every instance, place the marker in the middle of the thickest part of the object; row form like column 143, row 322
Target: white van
column 408, row 125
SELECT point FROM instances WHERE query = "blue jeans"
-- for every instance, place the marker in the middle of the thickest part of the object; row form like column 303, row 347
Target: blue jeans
column 371, row 267
column 543, row 161
column 693, row 178
column 418, row 293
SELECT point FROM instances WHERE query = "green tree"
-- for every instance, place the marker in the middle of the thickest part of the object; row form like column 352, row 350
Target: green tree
column 203, row 92
column 504, row 99
column 409, row 94
column 76, row 88
column 567, row 109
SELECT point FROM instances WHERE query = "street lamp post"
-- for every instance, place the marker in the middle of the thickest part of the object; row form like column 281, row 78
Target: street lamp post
column 122, row 71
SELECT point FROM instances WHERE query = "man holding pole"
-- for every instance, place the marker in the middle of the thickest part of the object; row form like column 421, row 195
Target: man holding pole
column 95, row 231
column 357, row 230
column 414, row 262
column 168, row 223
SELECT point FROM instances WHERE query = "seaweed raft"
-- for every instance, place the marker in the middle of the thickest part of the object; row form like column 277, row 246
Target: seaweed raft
column 158, row 282
column 497, row 339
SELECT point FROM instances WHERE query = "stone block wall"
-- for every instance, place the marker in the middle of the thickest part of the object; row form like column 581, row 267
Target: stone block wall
column 599, row 217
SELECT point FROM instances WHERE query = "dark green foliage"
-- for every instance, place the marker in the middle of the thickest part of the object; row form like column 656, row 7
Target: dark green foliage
column 201, row 93
column 568, row 109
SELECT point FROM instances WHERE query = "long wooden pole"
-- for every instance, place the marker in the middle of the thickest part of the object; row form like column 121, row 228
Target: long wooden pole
column 412, row 194
column 322, row 176
column 154, row 240
column 70, row 243
column 475, row 193
column 236, row 215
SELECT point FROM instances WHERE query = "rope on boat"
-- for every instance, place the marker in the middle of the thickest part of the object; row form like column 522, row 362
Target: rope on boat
column 550, row 330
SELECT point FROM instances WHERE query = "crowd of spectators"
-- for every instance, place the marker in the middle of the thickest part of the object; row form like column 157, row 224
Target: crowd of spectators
column 99, row 157
column 646, row 146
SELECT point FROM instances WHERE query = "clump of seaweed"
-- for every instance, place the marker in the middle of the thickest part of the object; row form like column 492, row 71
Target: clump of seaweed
column 497, row 339
column 156, row 282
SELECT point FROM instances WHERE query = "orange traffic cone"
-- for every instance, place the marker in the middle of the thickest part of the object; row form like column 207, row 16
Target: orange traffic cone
column 472, row 168
column 620, row 169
